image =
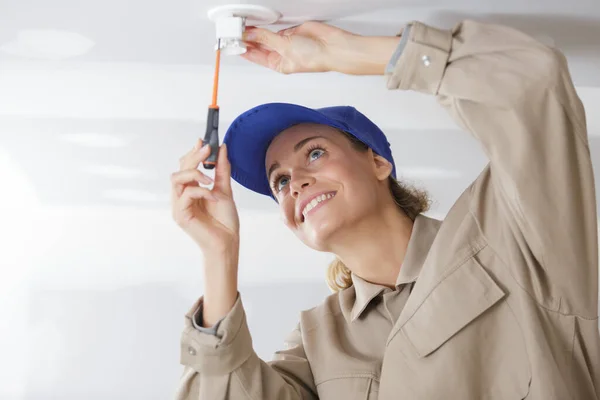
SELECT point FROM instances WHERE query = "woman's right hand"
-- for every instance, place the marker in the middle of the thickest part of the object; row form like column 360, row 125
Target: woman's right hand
column 208, row 216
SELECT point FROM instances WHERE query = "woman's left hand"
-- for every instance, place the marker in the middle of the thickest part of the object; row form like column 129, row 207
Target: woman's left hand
column 318, row 47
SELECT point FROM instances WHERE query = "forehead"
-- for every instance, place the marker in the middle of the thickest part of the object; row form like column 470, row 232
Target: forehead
column 284, row 143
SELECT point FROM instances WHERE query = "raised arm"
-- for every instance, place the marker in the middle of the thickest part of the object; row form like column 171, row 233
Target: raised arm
column 516, row 97
column 223, row 364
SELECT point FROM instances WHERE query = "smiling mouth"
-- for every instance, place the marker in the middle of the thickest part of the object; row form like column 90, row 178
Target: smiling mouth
column 316, row 202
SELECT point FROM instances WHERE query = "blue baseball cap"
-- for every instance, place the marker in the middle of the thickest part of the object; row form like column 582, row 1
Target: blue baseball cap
column 250, row 135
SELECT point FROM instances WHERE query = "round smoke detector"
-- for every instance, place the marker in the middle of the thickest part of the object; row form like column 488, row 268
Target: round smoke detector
column 231, row 20
column 252, row 14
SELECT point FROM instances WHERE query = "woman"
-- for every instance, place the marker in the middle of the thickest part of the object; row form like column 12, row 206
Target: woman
column 498, row 301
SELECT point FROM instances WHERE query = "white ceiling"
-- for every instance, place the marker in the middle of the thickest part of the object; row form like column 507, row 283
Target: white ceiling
column 99, row 99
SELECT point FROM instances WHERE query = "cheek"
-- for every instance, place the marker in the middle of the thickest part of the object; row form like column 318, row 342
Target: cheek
column 286, row 209
column 359, row 187
column 344, row 169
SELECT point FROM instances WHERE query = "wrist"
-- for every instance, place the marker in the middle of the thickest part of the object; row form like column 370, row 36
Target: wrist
column 220, row 285
column 363, row 55
column 222, row 261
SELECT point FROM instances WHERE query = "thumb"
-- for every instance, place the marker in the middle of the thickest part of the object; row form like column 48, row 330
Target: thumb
column 223, row 171
column 265, row 38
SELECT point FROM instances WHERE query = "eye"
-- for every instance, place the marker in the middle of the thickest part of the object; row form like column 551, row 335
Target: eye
column 281, row 182
column 315, row 154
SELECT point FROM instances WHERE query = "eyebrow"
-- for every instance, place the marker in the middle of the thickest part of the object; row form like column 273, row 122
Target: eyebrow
column 297, row 147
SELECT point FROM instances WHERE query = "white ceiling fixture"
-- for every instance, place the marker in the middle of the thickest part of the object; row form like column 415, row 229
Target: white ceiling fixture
column 48, row 44
column 230, row 22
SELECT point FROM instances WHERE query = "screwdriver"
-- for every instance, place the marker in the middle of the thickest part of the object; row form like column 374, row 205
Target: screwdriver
column 211, row 137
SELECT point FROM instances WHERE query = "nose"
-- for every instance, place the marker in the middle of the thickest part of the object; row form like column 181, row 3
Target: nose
column 299, row 183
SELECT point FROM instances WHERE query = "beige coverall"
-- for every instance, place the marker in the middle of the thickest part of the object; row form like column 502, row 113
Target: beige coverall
column 498, row 301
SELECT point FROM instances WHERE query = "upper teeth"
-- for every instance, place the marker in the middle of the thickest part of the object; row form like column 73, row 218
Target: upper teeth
column 316, row 201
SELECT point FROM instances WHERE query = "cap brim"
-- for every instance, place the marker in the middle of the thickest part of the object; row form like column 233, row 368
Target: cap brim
column 250, row 135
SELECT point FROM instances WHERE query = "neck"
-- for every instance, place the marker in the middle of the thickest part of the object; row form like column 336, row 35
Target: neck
column 374, row 249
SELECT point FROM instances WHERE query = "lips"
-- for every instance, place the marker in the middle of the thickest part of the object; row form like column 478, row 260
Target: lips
column 306, row 206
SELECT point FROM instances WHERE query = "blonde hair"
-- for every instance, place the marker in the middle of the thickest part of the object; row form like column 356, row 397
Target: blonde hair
column 411, row 202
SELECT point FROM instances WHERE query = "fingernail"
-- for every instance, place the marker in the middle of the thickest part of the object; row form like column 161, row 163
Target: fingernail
column 198, row 144
column 249, row 36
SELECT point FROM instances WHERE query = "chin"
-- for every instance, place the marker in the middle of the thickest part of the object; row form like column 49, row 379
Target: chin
column 316, row 233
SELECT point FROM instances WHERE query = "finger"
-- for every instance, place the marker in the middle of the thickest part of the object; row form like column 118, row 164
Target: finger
column 189, row 176
column 194, row 157
column 196, row 146
column 265, row 48
column 223, row 172
column 262, row 57
column 191, row 160
column 307, row 28
column 266, row 37
column 257, row 55
column 289, row 31
column 192, row 193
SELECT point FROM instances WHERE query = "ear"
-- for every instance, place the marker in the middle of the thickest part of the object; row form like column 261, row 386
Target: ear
column 382, row 167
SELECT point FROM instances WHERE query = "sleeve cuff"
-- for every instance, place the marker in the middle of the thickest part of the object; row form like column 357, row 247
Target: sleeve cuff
column 398, row 52
column 218, row 354
column 422, row 60
column 197, row 321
